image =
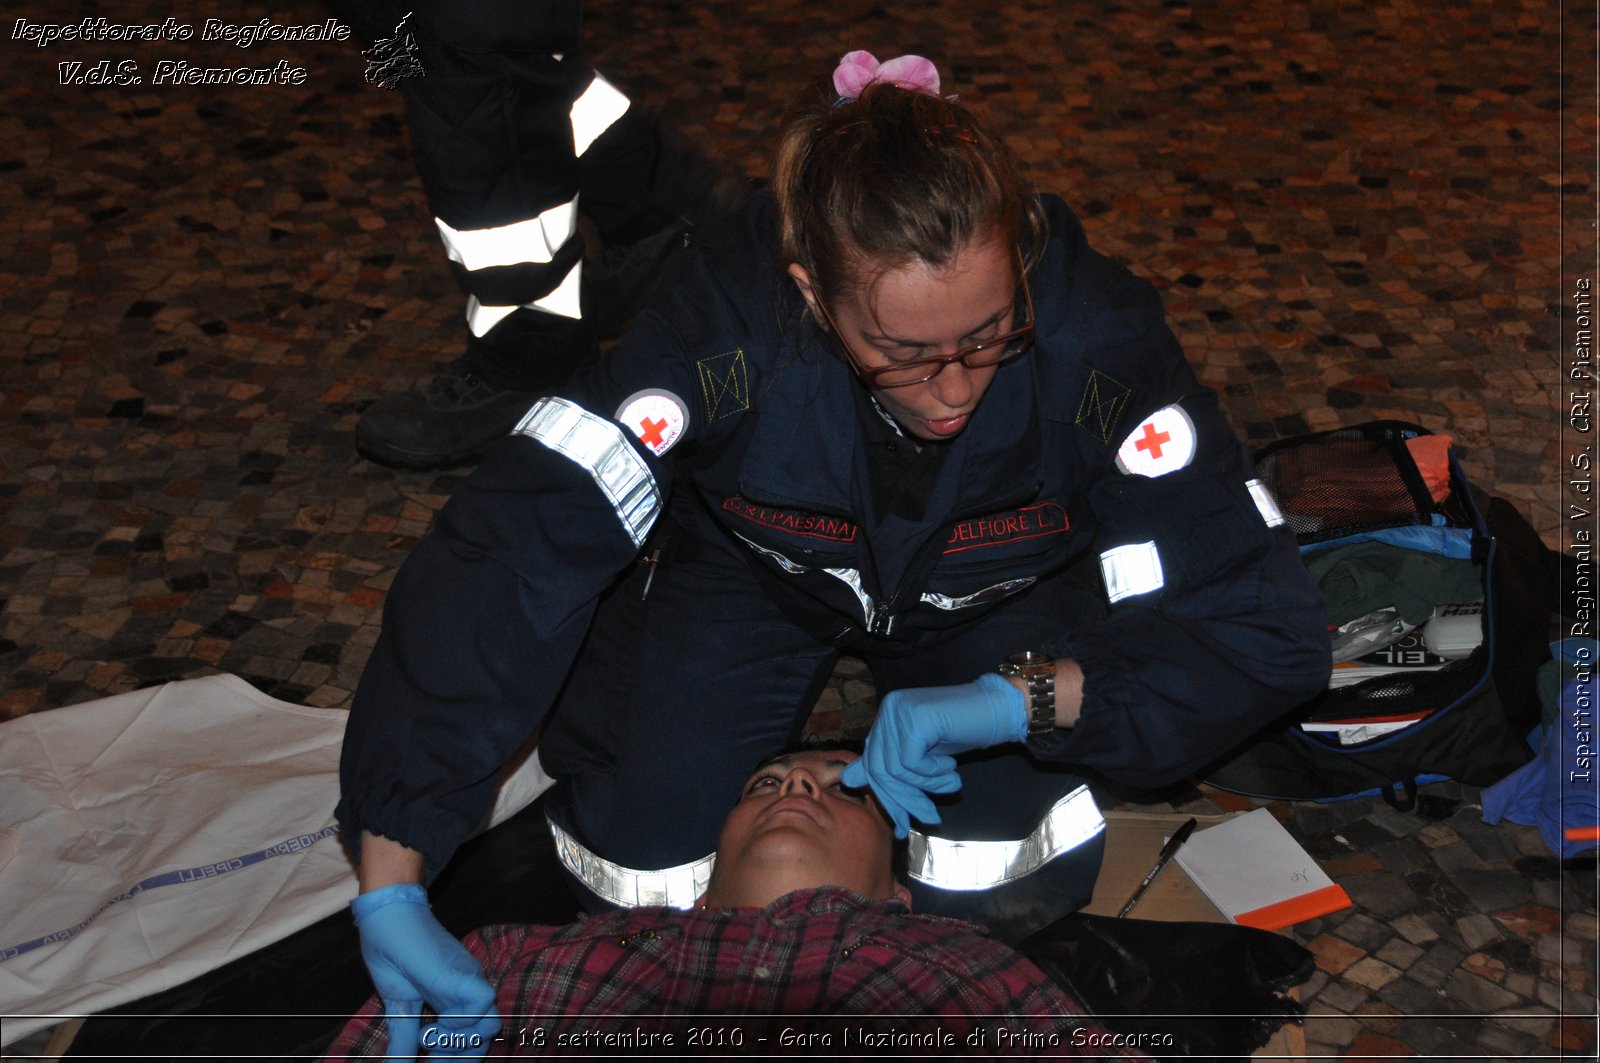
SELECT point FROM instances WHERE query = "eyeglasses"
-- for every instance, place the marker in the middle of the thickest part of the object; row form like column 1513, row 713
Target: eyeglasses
column 1003, row 348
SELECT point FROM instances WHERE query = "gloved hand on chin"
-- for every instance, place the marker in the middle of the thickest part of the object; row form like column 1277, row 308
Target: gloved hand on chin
column 908, row 749
column 413, row 959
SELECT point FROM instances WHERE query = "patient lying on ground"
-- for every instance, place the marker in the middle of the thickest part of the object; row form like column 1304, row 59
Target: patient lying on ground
column 804, row 938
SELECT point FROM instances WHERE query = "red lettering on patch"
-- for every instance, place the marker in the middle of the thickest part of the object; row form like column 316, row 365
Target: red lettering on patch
column 999, row 529
column 793, row 521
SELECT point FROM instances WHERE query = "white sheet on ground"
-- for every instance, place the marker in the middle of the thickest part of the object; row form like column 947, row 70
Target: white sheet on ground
column 153, row 836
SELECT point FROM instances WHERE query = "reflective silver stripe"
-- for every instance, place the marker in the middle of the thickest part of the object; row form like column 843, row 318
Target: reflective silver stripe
column 848, row 576
column 674, row 887
column 953, row 865
column 1262, row 494
column 852, row 578
column 563, row 302
column 988, row 594
column 535, row 239
column 594, row 112
column 604, row 452
column 1132, row 569
column 783, row 562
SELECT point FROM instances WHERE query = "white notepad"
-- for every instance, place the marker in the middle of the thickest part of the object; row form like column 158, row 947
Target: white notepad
column 1257, row 874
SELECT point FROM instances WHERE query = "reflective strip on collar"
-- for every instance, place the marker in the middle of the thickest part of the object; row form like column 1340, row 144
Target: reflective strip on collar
column 563, row 302
column 782, row 562
column 594, row 112
column 604, row 452
column 852, row 578
column 532, row 240
column 988, row 594
column 1132, row 569
column 848, row 576
column 1262, row 494
column 672, row 887
column 953, row 865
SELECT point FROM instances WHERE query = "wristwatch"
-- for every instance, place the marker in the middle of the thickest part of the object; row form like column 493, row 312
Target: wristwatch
column 1038, row 672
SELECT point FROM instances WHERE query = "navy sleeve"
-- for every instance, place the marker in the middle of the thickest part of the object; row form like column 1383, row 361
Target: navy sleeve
column 1235, row 634
column 486, row 617
column 479, row 630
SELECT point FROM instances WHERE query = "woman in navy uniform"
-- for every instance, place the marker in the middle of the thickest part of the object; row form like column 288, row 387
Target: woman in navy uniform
column 900, row 409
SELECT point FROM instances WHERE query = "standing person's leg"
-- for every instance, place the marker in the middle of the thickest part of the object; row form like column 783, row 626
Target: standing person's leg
column 675, row 698
column 1020, row 844
column 493, row 138
column 508, row 125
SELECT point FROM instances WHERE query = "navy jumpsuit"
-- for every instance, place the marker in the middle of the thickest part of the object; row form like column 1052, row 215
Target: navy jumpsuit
column 726, row 433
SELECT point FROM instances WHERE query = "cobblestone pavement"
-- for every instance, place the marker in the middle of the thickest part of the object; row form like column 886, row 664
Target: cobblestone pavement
column 1354, row 211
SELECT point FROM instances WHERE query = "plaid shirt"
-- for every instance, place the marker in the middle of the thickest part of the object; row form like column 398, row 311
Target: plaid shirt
column 816, row 972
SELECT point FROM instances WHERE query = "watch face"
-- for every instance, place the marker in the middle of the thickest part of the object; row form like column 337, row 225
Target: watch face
column 1030, row 663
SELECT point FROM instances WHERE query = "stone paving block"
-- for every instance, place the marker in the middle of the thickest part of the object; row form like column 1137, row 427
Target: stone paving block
column 1477, row 931
column 1492, row 890
column 1444, row 1038
column 1550, row 894
column 1402, row 856
column 1334, row 954
column 1371, row 1045
column 1579, row 926
column 1495, row 1040
column 1343, row 996
column 1493, row 846
column 1382, row 893
column 1411, row 997
column 1399, row 954
column 1415, row 929
column 1371, row 973
column 1575, row 1035
column 1477, row 993
column 1530, row 1020
column 1456, row 857
column 1364, row 932
column 1397, row 823
column 1316, row 1049
column 1437, row 964
column 1331, row 1029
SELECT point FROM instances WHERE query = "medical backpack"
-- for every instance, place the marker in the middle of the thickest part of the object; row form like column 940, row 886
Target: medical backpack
column 1452, row 698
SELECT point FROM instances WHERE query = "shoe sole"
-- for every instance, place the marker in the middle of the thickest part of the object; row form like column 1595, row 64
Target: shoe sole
column 392, row 457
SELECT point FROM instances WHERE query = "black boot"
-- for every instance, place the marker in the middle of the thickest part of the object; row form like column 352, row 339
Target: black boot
column 460, row 414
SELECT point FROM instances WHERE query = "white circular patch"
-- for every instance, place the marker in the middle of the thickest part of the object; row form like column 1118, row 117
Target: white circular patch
column 656, row 416
column 1162, row 443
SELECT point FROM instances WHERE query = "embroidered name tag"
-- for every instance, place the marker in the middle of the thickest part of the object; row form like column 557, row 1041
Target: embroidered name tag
column 1031, row 522
column 796, row 522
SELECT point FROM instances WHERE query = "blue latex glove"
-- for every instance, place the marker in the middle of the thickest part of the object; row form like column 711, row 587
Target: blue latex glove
column 412, row 959
column 909, row 746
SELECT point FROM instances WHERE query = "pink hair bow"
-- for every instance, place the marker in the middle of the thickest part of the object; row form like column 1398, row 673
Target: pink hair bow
column 859, row 69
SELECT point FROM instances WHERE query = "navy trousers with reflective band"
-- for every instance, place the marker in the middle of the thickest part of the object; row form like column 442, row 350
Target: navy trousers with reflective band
column 677, row 696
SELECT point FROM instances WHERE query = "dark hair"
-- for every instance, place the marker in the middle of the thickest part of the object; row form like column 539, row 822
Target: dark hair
column 893, row 177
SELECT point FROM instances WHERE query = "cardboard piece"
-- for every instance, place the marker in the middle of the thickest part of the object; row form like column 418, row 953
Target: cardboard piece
column 1133, row 841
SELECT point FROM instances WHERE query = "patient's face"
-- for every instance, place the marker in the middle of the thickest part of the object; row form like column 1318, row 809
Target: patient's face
column 796, row 826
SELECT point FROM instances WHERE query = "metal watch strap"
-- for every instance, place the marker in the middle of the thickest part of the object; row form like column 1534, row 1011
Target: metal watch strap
column 1041, row 703
column 1038, row 673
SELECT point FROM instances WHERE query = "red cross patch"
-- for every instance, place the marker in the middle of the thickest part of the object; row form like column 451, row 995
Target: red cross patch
column 1161, row 443
column 656, row 416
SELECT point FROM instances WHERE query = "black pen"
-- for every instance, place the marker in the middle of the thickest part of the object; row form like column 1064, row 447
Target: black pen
column 1168, row 851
